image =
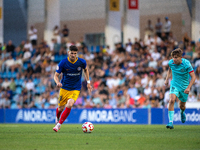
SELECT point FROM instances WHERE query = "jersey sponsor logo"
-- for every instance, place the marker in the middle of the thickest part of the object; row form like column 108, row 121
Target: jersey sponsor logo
column 73, row 74
column 79, row 68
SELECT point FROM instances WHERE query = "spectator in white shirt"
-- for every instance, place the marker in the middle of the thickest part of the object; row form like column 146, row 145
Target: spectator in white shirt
column 165, row 62
column 157, row 40
column 167, row 26
column 27, row 55
column 110, row 82
column 6, row 83
column 88, row 56
column 109, row 50
column 160, row 82
column 144, row 80
column 155, row 55
column 30, row 85
column 33, row 35
column 129, row 73
column 56, row 34
column 28, row 45
column 18, row 63
column 9, row 63
column 147, row 90
column 152, row 63
column 192, row 98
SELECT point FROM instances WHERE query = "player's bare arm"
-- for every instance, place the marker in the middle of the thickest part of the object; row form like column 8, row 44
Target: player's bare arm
column 56, row 79
column 169, row 73
column 187, row 90
column 86, row 72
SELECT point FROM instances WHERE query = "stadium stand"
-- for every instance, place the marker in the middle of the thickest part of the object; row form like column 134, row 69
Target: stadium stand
column 129, row 76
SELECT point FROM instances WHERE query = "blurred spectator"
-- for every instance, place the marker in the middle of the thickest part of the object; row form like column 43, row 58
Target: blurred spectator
column 21, row 46
column 132, row 91
column 96, row 99
column 120, row 99
column 56, row 34
column 158, row 27
column 196, row 60
column 12, row 85
column 28, row 46
column 160, row 82
column 9, row 63
column 167, row 26
column 186, row 40
column 10, row 47
column 57, row 46
column 30, row 85
column 6, row 83
column 107, row 105
column 53, row 101
column 33, row 35
column 189, row 53
column 192, row 98
column 149, row 29
column 27, row 55
column 29, row 71
column 65, row 33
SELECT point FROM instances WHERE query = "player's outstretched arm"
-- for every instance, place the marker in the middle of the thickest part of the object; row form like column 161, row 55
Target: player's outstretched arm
column 187, row 90
column 86, row 72
column 169, row 73
column 56, row 79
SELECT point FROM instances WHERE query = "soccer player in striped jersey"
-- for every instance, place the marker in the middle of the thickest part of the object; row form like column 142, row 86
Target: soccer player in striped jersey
column 180, row 69
column 71, row 68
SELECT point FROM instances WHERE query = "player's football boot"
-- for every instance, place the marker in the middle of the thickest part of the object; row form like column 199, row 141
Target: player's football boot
column 183, row 117
column 56, row 128
column 170, row 125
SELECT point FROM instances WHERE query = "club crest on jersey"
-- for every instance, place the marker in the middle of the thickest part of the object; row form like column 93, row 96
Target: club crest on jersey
column 182, row 70
column 79, row 68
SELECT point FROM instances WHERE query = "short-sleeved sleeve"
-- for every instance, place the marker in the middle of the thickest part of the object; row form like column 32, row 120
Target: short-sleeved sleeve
column 84, row 64
column 189, row 67
column 170, row 63
column 59, row 67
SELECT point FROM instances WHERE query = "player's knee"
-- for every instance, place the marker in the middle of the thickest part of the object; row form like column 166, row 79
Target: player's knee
column 182, row 107
column 60, row 108
column 70, row 103
column 172, row 100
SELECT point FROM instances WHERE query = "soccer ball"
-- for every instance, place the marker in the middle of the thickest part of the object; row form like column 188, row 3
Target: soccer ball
column 87, row 127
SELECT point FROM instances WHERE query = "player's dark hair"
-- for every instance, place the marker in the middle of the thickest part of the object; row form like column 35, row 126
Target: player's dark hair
column 73, row 48
column 177, row 52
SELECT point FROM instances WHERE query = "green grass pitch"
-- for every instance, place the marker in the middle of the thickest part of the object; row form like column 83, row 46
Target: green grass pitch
column 122, row 137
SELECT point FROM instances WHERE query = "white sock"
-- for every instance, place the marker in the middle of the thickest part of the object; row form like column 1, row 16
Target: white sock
column 58, row 124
